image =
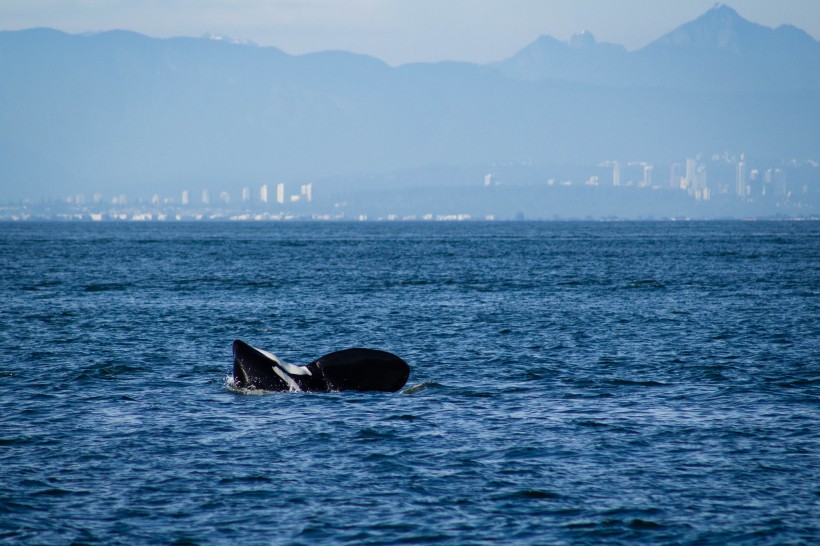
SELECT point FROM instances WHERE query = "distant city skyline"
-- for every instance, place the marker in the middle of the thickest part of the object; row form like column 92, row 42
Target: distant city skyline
column 397, row 31
column 706, row 186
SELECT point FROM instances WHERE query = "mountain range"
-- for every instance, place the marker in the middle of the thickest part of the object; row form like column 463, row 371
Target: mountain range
column 118, row 111
column 719, row 52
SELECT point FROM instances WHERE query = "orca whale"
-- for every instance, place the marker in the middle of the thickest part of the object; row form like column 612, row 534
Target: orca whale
column 350, row 369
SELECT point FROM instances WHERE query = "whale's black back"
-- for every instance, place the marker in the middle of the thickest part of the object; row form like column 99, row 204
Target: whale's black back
column 362, row 370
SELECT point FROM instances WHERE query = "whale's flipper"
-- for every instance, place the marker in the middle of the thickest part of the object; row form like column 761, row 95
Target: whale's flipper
column 351, row 369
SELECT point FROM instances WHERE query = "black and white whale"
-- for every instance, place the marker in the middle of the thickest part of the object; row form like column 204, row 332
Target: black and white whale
column 351, row 369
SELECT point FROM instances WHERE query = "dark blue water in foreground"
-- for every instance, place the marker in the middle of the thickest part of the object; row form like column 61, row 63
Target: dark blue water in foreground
column 571, row 383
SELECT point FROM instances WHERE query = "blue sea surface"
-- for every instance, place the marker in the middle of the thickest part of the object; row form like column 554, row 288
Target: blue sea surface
column 653, row 382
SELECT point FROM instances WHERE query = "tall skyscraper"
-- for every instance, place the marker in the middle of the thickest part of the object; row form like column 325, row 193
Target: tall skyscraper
column 246, row 195
column 186, row 199
column 780, row 187
column 675, row 175
column 699, row 189
column 307, row 191
column 280, row 193
column 263, row 193
column 647, row 176
column 740, row 180
column 691, row 174
column 616, row 174
column 754, row 184
column 206, row 197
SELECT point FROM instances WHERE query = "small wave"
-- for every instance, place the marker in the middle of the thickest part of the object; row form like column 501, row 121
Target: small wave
column 797, row 383
column 474, row 394
column 583, row 395
column 106, row 371
column 715, row 375
column 532, row 375
column 12, row 441
column 53, row 492
column 106, row 287
column 636, row 524
column 629, row 383
column 647, row 283
column 644, row 524
column 592, row 424
column 421, row 387
column 538, row 494
column 44, row 285
column 252, row 478
column 572, row 283
column 370, row 434
column 403, row 417
column 532, row 494
column 721, row 253
column 413, row 282
column 606, row 426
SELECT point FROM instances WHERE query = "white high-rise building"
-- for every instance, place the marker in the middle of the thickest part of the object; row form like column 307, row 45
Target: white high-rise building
column 616, row 174
column 206, row 197
column 780, row 187
column 755, row 183
column 246, row 194
column 488, row 180
column 280, row 193
column 647, row 176
column 699, row 189
column 186, row 198
column 740, row 182
column 307, row 191
column 263, row 193
column 675, row 175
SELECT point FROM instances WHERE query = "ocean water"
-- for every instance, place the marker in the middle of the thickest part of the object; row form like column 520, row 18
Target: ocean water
column 589, row 383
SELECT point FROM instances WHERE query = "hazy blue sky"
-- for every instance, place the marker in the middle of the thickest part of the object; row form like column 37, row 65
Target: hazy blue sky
column 397, row 31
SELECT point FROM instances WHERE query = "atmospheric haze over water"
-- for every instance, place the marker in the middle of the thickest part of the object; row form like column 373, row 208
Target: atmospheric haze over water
column 717, row 110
